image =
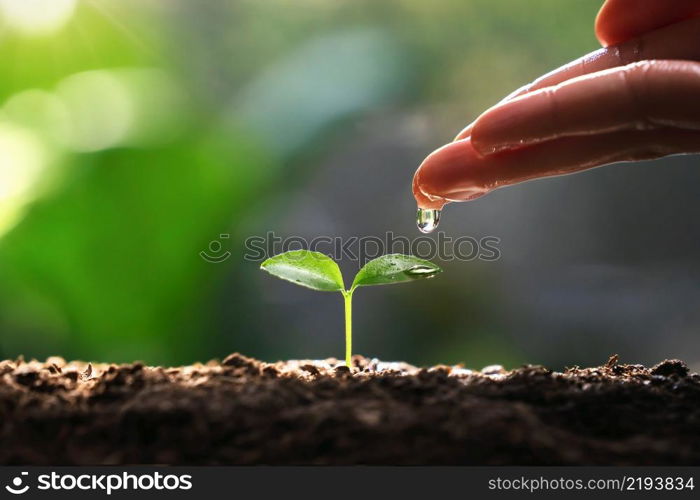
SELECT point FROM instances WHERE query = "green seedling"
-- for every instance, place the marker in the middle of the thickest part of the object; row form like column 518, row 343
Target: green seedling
column 319, row 272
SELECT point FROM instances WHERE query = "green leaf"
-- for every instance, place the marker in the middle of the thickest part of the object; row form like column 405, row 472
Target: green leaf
column 310, row 269
column 394, row 268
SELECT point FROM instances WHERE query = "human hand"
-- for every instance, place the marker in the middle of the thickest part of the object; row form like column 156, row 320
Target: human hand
column 636, row 98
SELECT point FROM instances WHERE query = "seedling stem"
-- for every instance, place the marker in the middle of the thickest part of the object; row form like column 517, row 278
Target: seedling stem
column 319, row 272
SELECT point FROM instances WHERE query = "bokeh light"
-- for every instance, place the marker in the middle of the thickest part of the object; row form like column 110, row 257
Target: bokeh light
column 22, row 159
column 39, row 110
column 111, row 108
column 100, row 110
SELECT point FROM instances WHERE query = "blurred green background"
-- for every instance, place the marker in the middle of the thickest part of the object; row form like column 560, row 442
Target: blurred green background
column 134, row 133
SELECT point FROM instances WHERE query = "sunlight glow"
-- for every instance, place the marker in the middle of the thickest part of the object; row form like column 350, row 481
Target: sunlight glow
column 36, row 17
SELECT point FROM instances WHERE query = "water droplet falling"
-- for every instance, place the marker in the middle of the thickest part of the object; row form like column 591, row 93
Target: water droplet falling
column 427, row 219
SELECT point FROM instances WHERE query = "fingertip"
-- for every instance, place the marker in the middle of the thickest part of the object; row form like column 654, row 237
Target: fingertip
column 602, row 25
column 450, row 173
column 422, row 199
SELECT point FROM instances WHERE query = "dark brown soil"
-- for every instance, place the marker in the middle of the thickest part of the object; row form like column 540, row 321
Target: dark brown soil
column 242, row 411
